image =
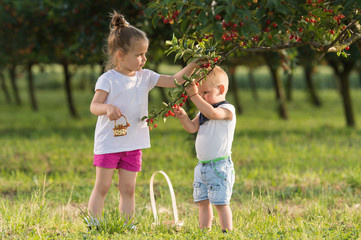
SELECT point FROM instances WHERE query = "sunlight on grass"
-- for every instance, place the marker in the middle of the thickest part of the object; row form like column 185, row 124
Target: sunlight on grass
column 295, row 179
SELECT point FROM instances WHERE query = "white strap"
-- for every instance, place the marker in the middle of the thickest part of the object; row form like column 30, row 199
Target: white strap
column 154, row 208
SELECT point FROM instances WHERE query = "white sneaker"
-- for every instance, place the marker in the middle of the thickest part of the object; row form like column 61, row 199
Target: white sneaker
column 130, row 226
column 92, row 222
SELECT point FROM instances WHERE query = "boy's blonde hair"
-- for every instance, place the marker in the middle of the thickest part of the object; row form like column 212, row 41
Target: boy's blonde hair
column 218, row 77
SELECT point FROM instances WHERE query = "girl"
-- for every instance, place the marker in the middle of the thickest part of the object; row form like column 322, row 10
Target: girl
column 123, row 90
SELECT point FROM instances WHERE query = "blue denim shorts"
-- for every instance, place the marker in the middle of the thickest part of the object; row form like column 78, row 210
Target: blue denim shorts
column 214, row 181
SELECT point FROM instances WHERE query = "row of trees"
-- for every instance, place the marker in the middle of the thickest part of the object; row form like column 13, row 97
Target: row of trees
column 278, row 32
column 65, row 32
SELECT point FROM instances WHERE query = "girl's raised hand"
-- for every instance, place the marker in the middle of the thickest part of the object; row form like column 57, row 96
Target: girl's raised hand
column 113, row 112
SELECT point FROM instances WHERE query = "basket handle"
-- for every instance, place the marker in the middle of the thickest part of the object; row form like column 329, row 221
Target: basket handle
column 174, row 204
column 115, row 121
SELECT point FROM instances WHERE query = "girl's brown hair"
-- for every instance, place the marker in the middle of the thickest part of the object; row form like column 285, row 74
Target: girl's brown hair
column 121, row 36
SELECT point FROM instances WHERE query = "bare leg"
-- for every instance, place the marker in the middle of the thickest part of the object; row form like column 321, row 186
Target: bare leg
column 205, row 214
column 225, row 217
column 127, row 180
column 103, row 182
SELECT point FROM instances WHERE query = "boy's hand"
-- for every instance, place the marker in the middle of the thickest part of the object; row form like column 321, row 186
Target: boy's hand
column 192, row 89
column 113, row 112
column 179, row 112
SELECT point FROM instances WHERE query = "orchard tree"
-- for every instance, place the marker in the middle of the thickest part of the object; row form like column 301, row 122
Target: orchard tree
column 213, row 30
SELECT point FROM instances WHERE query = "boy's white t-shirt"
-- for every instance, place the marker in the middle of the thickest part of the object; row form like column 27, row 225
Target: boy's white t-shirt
column 215, row 137
column 130, row 95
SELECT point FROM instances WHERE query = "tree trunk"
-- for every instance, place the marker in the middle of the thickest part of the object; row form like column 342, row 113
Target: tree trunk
column 12, row 73
column 163, row 94
column 234, row 89
column 162, row 91
column 33, row 102
column 358, row 45
column 358, row 70
column 343, row 82
column 252, row 83
column 289, row 86
column 68, row 91
column 4, row 88
column 346, row 96
column 311, row 86
column 277, row 82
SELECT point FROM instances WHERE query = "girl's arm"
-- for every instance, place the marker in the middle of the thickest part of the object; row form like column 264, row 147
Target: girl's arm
column 168, row 81
column 98, row 107
column 188, row 124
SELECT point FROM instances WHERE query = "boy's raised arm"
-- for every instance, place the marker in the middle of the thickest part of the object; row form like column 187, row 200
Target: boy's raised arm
column 188, row 124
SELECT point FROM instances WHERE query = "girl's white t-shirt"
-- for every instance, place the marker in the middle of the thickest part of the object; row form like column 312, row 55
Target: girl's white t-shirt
column 130, row 95
column 215, row 137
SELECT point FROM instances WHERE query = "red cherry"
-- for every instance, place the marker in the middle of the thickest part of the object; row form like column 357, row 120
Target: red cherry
column 155, row 125
column 347, row 48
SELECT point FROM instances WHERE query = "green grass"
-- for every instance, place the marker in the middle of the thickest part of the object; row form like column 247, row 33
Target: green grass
column 295, row 179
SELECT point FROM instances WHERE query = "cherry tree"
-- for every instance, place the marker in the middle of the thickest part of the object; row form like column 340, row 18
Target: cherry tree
column 214, row 30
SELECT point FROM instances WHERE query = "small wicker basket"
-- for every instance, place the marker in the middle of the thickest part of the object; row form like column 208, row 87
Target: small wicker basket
column 120, row 129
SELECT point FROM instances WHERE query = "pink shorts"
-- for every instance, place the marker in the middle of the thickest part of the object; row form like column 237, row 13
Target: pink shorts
column 131, row 160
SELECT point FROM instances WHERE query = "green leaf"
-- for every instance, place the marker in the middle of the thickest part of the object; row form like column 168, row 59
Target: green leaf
column 155, row 20
column 174, row 40
column 184, row 26
column 176, row 82
column 186, row 77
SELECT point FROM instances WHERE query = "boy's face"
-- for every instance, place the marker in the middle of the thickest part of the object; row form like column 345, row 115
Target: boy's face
column 211, row 92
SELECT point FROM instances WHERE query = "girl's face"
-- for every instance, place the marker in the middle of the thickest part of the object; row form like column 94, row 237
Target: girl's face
column 135, row 59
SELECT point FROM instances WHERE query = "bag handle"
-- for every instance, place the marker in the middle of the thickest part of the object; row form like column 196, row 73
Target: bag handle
column 154, row 208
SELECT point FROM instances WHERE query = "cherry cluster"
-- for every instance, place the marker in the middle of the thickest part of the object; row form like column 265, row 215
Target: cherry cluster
column 150, row 121
column 170, row 18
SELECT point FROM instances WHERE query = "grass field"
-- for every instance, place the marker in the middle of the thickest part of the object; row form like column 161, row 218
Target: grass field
column 295, row 179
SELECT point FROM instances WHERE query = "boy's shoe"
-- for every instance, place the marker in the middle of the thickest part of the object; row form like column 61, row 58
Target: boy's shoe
column 92, row 222
column 130, row 226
